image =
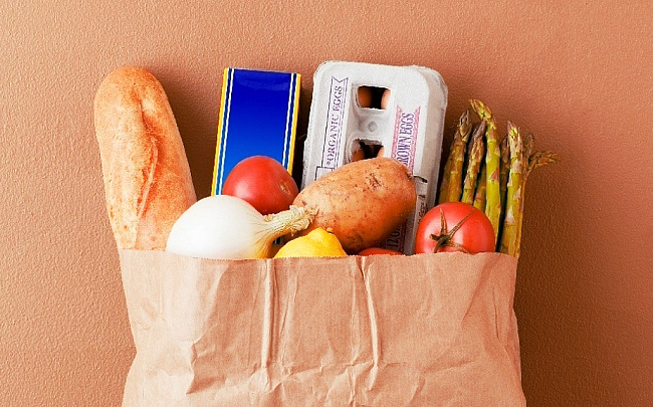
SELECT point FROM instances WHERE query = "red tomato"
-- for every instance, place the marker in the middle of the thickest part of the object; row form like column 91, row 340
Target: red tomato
column 263, row 182
column 378, row 250
column 459, row 227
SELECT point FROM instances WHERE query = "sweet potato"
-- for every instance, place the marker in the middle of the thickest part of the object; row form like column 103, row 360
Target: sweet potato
column 362, row 202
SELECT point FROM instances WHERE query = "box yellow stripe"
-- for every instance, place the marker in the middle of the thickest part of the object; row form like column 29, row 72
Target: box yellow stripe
column 218, row 144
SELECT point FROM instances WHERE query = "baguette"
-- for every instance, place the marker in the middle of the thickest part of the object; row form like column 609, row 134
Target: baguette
column 146, row 176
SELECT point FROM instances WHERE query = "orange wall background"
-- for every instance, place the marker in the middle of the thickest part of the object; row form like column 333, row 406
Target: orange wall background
column 576, row 74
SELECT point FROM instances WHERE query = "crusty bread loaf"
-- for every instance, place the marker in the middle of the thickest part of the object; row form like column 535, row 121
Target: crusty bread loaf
column 146, row 175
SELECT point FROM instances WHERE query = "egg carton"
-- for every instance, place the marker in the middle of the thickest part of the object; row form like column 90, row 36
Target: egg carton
column 362, row 110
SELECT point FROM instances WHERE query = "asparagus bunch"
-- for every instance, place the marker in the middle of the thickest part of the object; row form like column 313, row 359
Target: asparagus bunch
column 491, row 173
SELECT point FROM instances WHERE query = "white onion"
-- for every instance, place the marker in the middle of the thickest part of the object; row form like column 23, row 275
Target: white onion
column 227, row 227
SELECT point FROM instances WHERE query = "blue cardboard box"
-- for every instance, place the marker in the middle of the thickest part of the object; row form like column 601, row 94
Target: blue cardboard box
column 258, row 116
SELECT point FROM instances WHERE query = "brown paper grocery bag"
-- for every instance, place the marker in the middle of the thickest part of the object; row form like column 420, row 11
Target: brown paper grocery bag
column 423, row 330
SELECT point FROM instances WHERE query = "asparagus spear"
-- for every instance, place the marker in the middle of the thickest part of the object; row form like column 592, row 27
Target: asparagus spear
column 476, row 153
column 529, row 143
column 535, row 160
column 452, row 179
column 504, row 170
column 511, row 235
column 492, row 158
column 444, row 184
column 539, row 159
column 479, row 196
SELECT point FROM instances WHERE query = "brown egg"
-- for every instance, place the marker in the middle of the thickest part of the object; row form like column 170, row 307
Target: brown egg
column 365, row 96
column 381, row 152
column 357, row 153
column 385, row 99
